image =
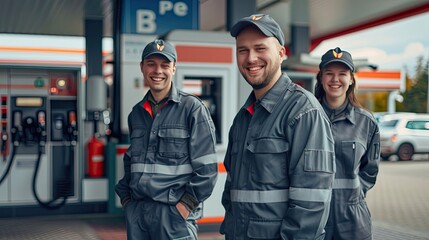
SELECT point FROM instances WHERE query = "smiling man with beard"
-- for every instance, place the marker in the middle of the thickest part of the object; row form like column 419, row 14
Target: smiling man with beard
column 280, row 156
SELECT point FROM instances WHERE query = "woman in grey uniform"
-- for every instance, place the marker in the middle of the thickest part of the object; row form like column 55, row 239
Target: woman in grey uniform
column 357, row 147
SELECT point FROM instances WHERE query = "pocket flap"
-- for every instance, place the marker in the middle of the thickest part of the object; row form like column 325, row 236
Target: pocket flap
column 173, row 133
column 269, row 145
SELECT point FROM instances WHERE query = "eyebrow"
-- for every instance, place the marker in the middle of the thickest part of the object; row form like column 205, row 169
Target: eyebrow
column 153, row 60
column 255, row 45
column 330, row 70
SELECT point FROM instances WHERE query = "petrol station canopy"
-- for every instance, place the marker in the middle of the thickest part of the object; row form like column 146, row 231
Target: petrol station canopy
column 327, row 18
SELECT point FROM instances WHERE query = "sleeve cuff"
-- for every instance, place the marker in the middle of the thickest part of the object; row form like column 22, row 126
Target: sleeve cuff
column 125, row 200
column 189, row 201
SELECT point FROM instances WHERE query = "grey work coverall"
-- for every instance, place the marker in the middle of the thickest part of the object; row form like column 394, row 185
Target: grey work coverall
column 170, row 156
column 280, row 167
column 357, row 151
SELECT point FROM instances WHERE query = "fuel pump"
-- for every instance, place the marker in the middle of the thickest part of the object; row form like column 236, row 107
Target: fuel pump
column 40, row 136
column 64, row 137
column 40, row 139
column 29, row 133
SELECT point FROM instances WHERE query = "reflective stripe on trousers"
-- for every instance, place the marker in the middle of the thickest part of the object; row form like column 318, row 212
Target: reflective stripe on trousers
column 273, row 196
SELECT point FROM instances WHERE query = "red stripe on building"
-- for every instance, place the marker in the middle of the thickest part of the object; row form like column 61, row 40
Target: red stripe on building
column 203, row 54
column 386, row 75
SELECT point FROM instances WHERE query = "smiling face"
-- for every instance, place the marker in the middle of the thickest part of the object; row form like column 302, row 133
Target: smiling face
column 258, row 59
column 336, row 79
column 158, row 73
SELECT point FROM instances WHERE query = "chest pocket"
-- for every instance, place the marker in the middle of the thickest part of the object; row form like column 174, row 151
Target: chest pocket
column 352, row 151
column 269, row 160
column 137, row 141
column 173, row 142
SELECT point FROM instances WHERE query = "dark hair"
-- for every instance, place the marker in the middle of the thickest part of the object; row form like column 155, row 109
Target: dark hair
column 319, row 92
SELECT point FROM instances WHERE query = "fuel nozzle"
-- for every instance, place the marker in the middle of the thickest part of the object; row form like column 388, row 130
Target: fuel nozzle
column 41, row 119
column 17, row 130
column 72, row 119
column 4, row 140
column 72, row 127
column 29, row 128
column 41, row 128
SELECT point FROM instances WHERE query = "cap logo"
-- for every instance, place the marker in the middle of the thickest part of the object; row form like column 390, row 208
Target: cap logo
column 337, row 55
column 256, row 18
column 159, row 47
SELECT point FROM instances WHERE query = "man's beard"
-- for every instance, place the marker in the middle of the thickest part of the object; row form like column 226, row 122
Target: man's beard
column 262, row 84
column 259, row 85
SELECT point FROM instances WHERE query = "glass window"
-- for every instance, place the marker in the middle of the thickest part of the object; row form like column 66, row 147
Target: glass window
column 388, row 123
column 418, row 124
column 209, row 90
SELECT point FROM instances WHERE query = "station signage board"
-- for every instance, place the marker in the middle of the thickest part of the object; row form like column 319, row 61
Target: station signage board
column 151, row 17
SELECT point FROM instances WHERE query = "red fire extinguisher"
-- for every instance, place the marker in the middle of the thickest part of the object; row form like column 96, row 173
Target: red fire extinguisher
column 95, row 157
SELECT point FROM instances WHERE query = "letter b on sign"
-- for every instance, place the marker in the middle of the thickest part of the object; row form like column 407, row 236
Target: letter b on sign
column 146, row 21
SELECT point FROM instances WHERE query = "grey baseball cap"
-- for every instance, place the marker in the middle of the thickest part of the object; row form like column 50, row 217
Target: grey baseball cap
column 160, row 47
column 266, row 24
column 337, row 55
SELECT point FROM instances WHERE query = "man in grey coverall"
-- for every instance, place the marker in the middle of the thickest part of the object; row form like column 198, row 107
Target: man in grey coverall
column 280, row 155
column 170, row 166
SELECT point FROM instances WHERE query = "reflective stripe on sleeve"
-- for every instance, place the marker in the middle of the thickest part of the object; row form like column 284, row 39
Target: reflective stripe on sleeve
column 310, row 195
column 346, row 183
column 253, row 196
column 161, row 169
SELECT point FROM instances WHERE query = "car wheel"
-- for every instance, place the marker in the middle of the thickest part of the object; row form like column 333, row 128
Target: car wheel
column 405, row 151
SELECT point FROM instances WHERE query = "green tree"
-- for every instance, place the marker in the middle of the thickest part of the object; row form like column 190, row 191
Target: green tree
column 415, row 97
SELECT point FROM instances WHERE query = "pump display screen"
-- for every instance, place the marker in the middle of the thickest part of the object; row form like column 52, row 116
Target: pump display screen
column 29, row 102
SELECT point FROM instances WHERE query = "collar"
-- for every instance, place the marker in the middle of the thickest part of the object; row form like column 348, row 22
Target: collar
column 272, row 97
column 152, row 100
column 345, row 111
column 173, row 95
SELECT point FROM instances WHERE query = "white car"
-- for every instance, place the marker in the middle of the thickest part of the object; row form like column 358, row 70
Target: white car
column 380, row 115
column 404, row 135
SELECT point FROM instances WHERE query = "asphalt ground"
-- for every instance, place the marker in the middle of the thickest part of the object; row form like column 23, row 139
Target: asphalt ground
column 399, row 204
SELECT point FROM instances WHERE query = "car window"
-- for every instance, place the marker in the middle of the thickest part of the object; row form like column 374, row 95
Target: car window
column 418, row 124
column 388, row 123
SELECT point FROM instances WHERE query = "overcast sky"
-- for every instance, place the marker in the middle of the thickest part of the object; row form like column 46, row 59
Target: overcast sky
column 394, row 45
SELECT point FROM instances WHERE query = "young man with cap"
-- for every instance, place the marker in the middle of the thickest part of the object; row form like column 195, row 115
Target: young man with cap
column 357, row 147
column 280, row 155
column 170, row 166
